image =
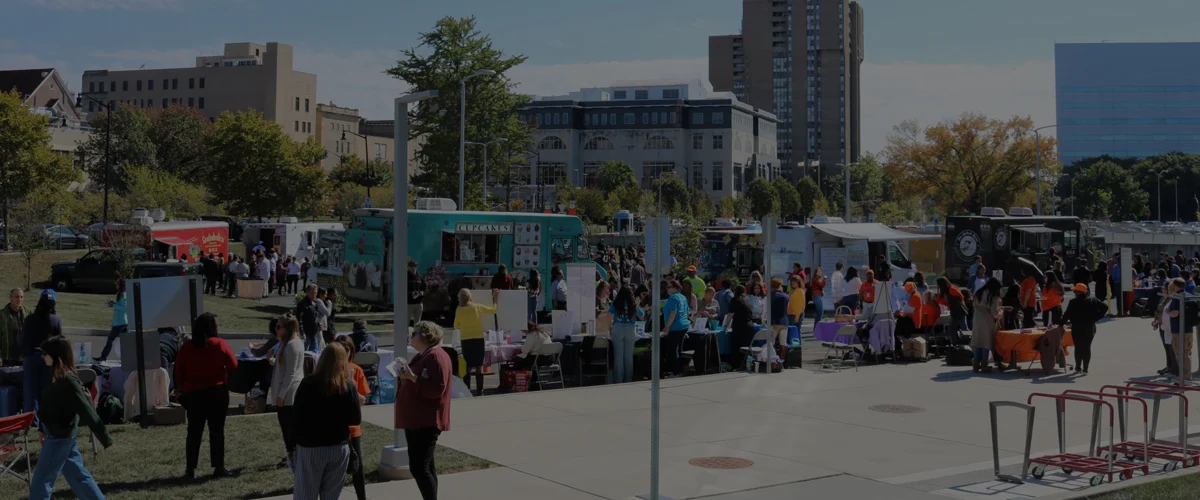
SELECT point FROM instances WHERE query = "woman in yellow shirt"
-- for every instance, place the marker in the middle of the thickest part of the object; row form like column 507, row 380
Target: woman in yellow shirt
column 468, row 320
column 797, row 301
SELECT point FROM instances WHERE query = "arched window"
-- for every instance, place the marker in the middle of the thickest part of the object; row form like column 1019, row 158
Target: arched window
column 659, row 142
column 598, row 143
column 552, row 142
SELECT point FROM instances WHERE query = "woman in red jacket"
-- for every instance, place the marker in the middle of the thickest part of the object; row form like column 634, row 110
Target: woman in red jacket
column 423, row 404
column 202, row 367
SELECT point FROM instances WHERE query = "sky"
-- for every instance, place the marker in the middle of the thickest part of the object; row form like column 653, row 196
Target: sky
column 926, row 60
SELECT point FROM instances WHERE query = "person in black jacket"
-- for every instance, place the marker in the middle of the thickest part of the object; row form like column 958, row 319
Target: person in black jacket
column 326, row 406
column 306, row 313
column 1082, row 314
column 743, row 321
column 1081, row 274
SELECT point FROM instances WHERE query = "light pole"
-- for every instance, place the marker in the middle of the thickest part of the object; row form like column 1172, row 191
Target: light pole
column 366, row 161
column 1158, row 182
column 1037, row 155
column 107, row 144
column 846, row 174
column 462, row 133
column 485, row 157
column 395, row 457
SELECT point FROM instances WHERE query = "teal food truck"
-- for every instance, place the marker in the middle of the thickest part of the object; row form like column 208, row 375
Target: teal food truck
column 448, row 245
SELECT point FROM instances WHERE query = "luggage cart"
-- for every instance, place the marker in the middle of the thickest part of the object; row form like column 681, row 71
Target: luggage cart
column 1176, row 455
column 1131, row 449
column 1073, row 462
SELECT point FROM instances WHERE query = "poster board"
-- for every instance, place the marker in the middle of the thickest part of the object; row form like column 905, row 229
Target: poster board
column 513, row 312
column 165, row 302
column 581, row 292
column 483, row 297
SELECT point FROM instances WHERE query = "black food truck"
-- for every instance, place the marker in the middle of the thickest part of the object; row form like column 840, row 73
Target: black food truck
column 1000, row 237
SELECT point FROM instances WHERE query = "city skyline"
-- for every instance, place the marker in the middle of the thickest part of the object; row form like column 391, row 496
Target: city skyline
column 927, row 60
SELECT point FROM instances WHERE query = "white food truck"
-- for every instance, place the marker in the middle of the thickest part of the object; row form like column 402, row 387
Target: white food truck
column 859, row 245
column 288, row 236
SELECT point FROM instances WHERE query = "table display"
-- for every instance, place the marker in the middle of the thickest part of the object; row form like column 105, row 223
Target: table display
column 1021, row 345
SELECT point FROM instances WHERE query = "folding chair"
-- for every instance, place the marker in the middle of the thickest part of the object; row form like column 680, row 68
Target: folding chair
column 553, row 351
column 14, row 445
column 87, row 377
column 763, row 336
column 367, row 359
column 843, row 342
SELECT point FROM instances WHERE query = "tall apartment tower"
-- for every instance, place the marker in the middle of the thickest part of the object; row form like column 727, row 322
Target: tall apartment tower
column 816, row 97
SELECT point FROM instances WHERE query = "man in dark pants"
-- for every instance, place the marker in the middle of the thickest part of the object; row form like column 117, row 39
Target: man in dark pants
column 306, row 313
column 1116, row 286
column 1082, row 314
column 211, row 273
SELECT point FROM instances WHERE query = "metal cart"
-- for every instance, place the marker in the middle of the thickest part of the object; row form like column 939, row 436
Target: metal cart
column 1073, row 462
column 1177, row 455
column 1131, row 449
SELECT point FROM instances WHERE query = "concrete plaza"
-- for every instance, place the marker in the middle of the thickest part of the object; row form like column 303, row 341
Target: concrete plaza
column 807, row 433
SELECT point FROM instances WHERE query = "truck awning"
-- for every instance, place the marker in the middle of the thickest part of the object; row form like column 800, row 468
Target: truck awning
column 871, row 232
column 1035, row 229
column 174, row 241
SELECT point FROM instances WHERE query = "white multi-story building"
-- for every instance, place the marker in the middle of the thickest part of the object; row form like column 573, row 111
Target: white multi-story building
column 710, row 139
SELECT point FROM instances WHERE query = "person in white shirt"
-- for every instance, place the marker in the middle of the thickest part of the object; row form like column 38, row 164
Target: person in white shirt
column 264, row 272
column 293, row 275
column 837, row 285
column 234, row 275
column 851, row 292
column 978, row 280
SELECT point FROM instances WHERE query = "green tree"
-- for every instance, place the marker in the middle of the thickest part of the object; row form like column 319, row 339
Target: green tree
column 26, row 160
column 132, row 144
column 686, row 246
column 259, row 171
column 452, row 51
column 352, row 170
column 615, row 175
column 592, row 206
column 156, row 188
column 811, row 199
column 629, row 198
column 178, row 135
column 703, row 209
column 1106, row 190
column 764, row 199
column 889, row 213
column 789, row 198
column 1172, row 168
column 672, row 194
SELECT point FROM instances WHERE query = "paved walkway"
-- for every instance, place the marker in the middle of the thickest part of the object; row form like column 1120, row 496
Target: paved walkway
column 808, row 433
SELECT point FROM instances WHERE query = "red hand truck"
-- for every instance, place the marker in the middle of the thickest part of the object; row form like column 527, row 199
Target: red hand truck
column 1073, row 462
column 1131, row 449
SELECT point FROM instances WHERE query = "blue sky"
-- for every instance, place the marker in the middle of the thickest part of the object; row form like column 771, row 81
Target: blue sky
column 925, row 59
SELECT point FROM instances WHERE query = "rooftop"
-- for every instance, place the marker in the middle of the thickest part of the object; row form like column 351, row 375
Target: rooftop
column 24, row 81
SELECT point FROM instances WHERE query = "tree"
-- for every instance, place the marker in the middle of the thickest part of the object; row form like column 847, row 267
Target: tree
column 132, row 144
column 615, row 175
column 178, row 136
column 1106, row 190
column 734, row 206
column 789, row 198
column 352, row 170
column 26, row 160
column 764, row 200
column 1172, row 168
column 671, row 194
column 889, row 213
column 259, row 171
column 452, row 51
column 811, row 199
column 703, row 209
column 972, row 162
column 155, row 188
column 629, row 198
column 592, row 206
column 27, row 242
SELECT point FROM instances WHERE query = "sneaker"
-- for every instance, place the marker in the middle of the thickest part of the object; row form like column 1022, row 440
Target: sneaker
column 221, row 473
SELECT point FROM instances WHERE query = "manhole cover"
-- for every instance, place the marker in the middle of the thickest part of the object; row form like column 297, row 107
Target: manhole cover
column 896, row 409
column 724, row 463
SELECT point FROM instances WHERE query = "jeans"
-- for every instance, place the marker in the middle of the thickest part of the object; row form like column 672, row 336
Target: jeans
column 674, row 350
column 421, row 445
column 312, row 342
column 115, row 332
column 819, row 305
column 61, row 455
column 623, row 337
column 533, row 308
column 206, row 406
column 981, row 354
column 37, row 376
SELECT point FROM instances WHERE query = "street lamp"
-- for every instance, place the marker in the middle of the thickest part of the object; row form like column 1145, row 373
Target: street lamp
column 366, row 161
column 1158, row 181
column 107, row 142
column 846, row 174
column 462, row 133
column 485, row 157
column 1037, row 154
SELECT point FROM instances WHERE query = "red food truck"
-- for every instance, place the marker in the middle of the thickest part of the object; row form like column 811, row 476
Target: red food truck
column 176, row 240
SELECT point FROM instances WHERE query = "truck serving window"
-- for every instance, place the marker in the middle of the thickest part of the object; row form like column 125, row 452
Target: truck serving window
column 470, row 248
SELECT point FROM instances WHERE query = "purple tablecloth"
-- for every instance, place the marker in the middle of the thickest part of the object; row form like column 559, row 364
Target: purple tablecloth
column 881, row 338
column 826, row 331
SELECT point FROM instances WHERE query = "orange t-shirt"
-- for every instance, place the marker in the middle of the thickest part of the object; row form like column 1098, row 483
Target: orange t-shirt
column 1051, row 298
column 1028, row 292
column 360, row 382
column 930, row 314
column 867, row 292
column 914, row 301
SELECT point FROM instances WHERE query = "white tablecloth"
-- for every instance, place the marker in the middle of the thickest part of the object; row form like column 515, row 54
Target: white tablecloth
column 115, row 382
column 499, row 353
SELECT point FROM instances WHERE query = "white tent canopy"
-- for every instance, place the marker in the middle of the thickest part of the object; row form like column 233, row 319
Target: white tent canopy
column 871, row 232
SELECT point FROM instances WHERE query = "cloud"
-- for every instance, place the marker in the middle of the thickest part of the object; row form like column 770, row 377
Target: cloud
column 87, row 5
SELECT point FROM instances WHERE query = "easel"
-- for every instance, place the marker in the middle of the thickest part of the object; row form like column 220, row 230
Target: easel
column 139, row 341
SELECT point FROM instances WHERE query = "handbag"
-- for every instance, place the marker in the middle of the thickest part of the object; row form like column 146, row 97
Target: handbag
column 355, row 461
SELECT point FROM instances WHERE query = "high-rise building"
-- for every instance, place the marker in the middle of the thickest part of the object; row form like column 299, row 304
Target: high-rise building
column 1126, row 99
column 800, row 59
column 247, row 76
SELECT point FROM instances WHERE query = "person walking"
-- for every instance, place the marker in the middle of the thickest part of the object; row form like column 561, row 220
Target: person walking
column 202, row 370
column 1100, row 276
column 469, row 322
column 64, row 405
column 358, row 378
column 120, row 320
column 38, row 327
column 1082, row 314
column 289, row 370
column 305, row 267
column 742, row 323
column 12, row 317
column 423, row 404
column 987, row 317
column 625, row 313
column 1181, row 341
column 327, row 404
column 416, row 294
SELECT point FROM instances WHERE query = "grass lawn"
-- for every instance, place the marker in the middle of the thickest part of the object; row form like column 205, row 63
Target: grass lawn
column 147, row 464
column 1179, row 488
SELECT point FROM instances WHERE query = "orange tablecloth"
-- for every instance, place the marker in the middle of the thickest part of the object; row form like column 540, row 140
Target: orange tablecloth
column 1025, row 344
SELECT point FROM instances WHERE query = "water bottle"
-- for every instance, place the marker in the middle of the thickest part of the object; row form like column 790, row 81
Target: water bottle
column 82, row 354
column 749, row 363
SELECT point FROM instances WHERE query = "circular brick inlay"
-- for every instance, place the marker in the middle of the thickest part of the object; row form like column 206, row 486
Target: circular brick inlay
column 896, row 409
column 722, row 463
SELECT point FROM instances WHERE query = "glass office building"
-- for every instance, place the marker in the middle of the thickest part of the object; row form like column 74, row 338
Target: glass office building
column 1127, row 99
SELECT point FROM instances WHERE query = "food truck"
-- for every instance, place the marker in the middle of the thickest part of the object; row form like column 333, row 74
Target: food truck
column 287, row 236
column 446, row 245
column 168, row 240
column 1000, row 237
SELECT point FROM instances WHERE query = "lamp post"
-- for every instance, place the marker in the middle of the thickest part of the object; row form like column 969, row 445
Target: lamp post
column 366, row 161
column 846, row 174
column 107, row 143
column 395, row 457
column 1037, row 155
column 1158, row 182
column 462, row 133
column 485, row 157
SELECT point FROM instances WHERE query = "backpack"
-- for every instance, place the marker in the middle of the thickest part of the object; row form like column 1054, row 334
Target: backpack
column 960, row 356
column 110, row 409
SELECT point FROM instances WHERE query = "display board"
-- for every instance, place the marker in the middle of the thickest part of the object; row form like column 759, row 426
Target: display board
column 830, row 256
column 858, row 255
column 658, row 237
column 165, row 301
column 513, row 311
column 483, row 297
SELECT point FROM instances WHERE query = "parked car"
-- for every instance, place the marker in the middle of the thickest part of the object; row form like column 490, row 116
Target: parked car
column 58, row 237
column 97, row 270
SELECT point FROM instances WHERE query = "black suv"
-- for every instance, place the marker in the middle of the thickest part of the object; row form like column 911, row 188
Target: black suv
column 97, row 270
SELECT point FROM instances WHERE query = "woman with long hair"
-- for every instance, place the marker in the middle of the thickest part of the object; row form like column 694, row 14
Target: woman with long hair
column 952, row 298
column 987, row 315
column 359, row 379
column 756, row 298
column 38, row 327
column 853, row 284
column 603, row 296
column 625, row 313
column 1052, row 299
column 327, row 405
column 289, row 371
column 534, row 288
column 120, row 321
column 818, row 294
column 64, row 405
column 468, row 319
column 202, row 370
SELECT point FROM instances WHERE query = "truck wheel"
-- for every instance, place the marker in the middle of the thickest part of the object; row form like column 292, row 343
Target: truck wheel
column 62, row 283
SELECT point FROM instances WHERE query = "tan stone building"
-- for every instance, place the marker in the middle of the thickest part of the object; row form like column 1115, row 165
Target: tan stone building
column 247, row 76
column 45, row 91
column 341, row 131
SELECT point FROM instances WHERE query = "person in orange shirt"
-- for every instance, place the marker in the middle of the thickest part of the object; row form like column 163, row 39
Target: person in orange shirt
column 866, row 293
column 1052, row 299
column 1028, row 299
column 930, row 311
column 908, row 322
column 364, row 390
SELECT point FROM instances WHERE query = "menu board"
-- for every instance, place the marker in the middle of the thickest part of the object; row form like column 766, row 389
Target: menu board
column 527, row 257
column 528, row 233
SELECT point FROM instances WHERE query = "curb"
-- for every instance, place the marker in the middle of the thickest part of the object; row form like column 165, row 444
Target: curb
column 1107, row 487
